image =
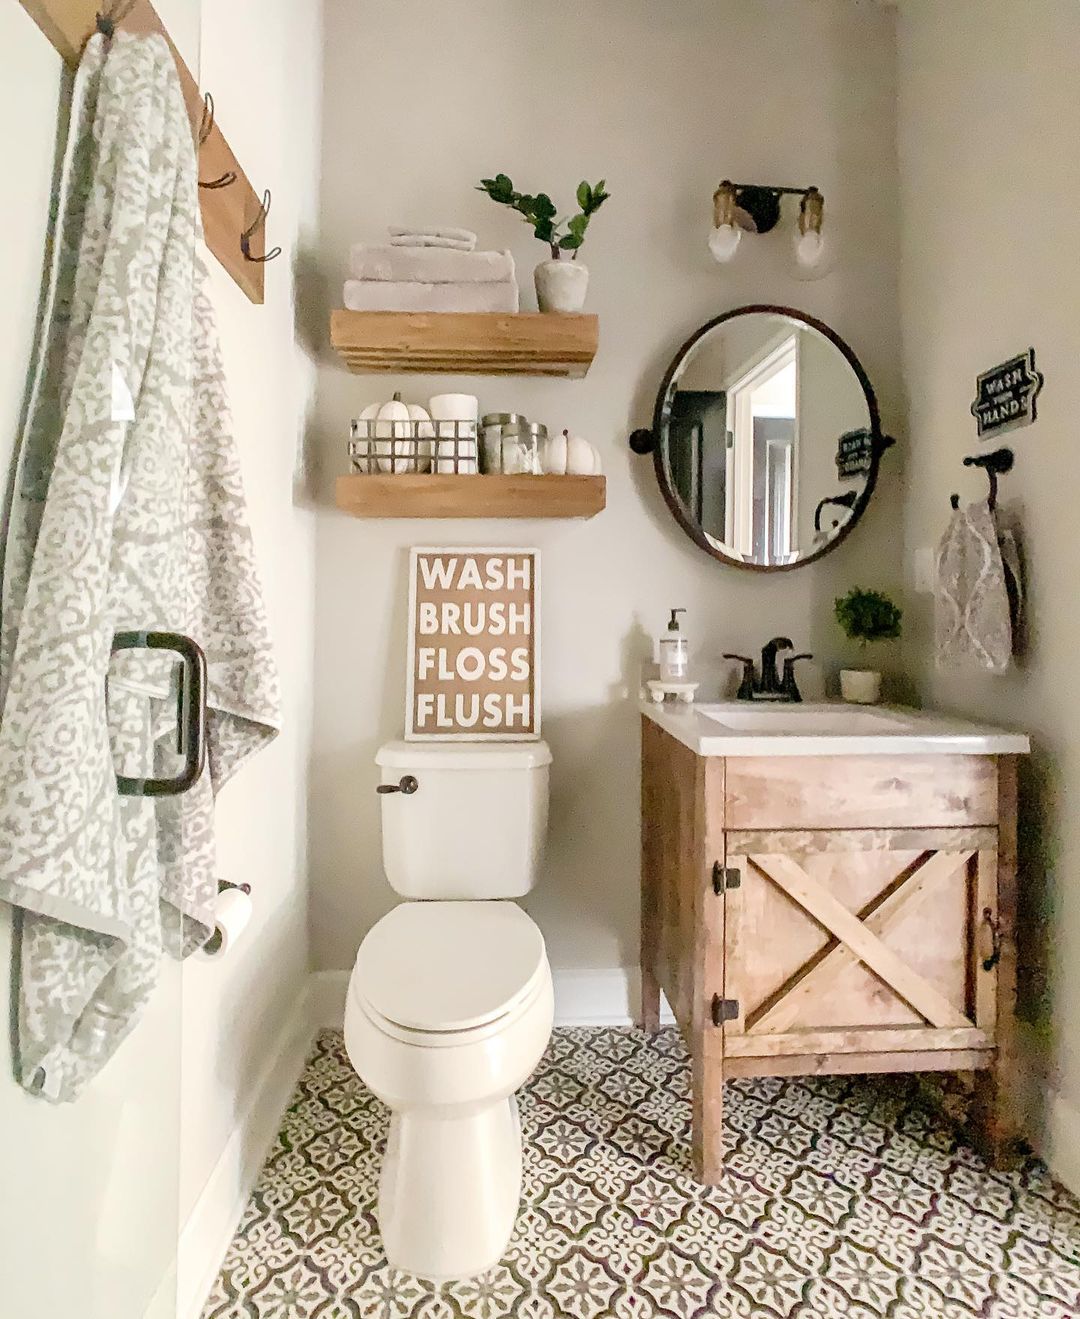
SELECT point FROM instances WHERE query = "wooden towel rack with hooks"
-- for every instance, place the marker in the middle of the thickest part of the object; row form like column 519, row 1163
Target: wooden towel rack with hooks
column 233, row 214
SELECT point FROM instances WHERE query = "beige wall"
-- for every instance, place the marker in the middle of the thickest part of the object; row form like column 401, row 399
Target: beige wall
column 94, row 1193
column 421, row 101
column 989, row 111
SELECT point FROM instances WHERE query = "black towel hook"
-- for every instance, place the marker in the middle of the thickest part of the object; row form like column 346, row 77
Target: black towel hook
column 245, row 237
column 106, row 22
column 994, row 464
column 206, row 127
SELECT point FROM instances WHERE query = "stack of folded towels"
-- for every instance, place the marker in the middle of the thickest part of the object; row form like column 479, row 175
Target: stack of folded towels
column 434, row 269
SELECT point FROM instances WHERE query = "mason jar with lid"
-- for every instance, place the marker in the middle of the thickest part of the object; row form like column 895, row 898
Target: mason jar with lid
column 521, row 443
column 491, row 430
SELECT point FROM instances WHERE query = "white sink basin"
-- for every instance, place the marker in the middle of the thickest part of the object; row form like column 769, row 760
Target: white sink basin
column 739, row 728
column 794, row 721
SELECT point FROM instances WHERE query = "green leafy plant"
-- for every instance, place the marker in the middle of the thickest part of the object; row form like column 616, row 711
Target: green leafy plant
column 867, row 616
column 564, row 234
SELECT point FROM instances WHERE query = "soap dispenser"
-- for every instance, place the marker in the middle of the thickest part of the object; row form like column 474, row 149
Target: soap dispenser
column 674, row 652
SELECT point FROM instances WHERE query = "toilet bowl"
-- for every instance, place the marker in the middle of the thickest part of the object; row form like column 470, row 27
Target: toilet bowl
column 450, row 1001
column 444, row 1042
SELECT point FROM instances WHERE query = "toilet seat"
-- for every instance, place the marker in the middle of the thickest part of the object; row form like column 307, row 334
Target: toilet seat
column 434, row 972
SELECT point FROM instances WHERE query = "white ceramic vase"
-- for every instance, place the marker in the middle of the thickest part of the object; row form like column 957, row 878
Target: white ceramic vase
column 561, row 285
column 860, row 686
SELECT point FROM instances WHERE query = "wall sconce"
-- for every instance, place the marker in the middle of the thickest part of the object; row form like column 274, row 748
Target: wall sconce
column 754, row 208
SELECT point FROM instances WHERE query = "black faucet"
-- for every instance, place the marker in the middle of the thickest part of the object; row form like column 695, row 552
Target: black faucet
column 770, row 686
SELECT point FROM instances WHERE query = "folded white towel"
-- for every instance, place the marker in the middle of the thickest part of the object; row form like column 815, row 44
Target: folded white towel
column 434, row 231
column 397, row 295
column 429, row 265
column 431, row 240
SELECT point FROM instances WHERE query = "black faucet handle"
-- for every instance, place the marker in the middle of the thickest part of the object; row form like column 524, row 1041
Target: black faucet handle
column 789, row 688
column 746, row 686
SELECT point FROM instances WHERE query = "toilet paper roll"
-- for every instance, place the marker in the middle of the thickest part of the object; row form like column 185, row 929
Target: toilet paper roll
column 232, row 911
column 455, row 417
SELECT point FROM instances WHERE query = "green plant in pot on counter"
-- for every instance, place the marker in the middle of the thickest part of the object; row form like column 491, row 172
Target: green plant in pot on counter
column 865, row 617
column 560, row 285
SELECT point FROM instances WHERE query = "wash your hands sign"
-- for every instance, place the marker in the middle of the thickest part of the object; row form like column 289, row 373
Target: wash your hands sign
column 473, row 644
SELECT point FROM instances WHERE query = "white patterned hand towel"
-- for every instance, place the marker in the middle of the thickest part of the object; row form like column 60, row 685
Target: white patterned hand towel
column 128, row 514
column 388, row 295
column 433, row 236
column 430, row 265
column 972, row 623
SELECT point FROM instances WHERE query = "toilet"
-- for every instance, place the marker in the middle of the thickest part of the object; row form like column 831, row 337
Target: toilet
column 450, row 1006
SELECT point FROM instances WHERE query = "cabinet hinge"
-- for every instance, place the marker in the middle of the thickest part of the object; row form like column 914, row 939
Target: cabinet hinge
column 724, row 1009
column 725, row 877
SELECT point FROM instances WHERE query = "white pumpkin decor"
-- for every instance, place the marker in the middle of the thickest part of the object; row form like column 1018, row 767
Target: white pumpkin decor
column 581, row 458
column 553, row 455
column 391, row 435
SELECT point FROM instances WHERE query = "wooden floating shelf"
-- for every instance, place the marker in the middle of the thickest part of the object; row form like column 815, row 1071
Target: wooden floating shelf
column 413, row 495
column 466, row 343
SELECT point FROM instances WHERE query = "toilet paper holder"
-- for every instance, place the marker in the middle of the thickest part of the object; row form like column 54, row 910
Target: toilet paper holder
column 224, row 884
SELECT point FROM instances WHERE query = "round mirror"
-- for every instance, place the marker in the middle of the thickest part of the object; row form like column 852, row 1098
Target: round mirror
column 767, row 438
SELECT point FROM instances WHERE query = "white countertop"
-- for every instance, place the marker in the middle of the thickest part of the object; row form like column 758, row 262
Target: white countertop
column 761, row 728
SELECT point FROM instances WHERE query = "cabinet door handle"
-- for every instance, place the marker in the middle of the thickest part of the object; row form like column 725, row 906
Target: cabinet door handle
column 989, row 938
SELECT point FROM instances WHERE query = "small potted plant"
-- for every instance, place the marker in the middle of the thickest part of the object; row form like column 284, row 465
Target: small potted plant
column 865, row 616
column 560, row 284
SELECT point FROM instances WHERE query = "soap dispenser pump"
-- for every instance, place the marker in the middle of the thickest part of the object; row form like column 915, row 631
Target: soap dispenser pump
column 674, row 652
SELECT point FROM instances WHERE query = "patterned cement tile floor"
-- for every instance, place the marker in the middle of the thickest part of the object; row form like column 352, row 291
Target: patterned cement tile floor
column 842, row 1196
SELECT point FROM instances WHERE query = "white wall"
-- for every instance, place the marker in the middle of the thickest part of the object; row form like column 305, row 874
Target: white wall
column 262, row 62
column 988, row 114
column 421, row 101
column 94, row 1193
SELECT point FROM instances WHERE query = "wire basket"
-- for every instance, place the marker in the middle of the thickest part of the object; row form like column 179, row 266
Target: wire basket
column 384, row 447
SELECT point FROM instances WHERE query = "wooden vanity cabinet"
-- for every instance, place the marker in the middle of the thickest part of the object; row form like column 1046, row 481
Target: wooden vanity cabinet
column 828, row 914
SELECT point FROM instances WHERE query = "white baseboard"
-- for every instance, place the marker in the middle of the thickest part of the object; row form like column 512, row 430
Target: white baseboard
column 582, row 998
column 606, row 997
column 205, row 1236
column 1061, row 1143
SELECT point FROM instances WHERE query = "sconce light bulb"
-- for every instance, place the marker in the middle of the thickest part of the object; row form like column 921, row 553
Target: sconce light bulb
column 724, row 241
column 809, row 248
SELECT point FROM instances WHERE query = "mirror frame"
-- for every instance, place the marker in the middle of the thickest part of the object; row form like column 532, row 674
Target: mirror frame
column 880, row 442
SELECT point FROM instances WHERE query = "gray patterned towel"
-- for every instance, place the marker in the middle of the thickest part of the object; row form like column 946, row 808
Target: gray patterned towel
column 971, row 616
column 128, row 514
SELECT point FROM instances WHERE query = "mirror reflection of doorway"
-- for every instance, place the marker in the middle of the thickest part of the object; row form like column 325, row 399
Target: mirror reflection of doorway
column 763, row 492
column 699, row 456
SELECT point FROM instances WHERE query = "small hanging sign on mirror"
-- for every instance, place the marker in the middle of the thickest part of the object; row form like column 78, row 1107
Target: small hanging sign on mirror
column 473, row 645
column 1006, row 395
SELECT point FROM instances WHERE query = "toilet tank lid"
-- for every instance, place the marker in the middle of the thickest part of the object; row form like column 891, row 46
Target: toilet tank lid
column 464, row 755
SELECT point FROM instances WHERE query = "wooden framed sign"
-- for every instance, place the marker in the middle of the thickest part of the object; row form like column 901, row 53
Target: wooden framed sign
column 1006, row 395
column 474, row 645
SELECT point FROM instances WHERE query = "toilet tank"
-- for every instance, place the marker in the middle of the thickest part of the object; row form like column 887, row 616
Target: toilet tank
column 476, row 823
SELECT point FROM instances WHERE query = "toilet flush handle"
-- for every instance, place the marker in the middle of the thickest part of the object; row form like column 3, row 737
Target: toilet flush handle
column 407, row 785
